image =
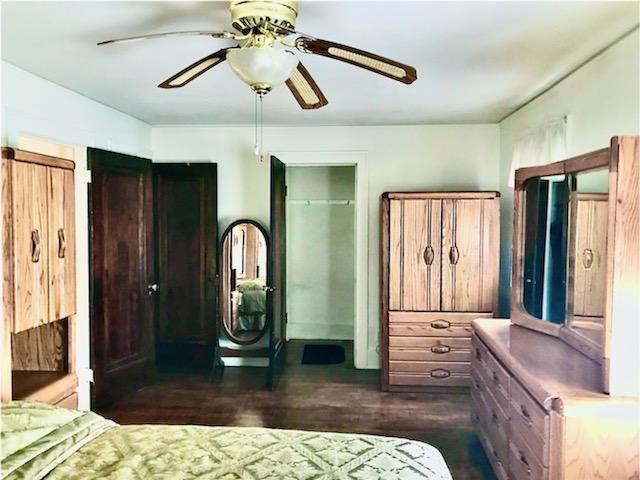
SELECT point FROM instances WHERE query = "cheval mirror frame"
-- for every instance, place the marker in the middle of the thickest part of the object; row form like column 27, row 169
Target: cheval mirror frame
column 622, row 296
column 221, row 292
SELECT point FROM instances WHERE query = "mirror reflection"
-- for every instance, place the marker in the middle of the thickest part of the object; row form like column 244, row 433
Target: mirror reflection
column 545, row 247
column 244, row 275
column 588, row 254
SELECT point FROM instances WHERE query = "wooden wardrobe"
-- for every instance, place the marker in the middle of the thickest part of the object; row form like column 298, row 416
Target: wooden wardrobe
column 39, row 289
column 440, row 264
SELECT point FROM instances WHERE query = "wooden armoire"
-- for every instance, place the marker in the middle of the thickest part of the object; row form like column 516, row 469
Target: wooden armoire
column 440, row 263
column 39, row 288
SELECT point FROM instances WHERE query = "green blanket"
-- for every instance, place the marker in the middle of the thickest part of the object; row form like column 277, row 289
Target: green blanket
column 178, row 452
column 35, row 437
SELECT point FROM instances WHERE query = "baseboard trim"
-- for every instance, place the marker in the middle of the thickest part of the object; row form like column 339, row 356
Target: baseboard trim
column 305, row 331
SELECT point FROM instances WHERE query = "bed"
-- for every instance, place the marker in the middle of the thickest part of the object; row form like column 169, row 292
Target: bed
column 45, row 442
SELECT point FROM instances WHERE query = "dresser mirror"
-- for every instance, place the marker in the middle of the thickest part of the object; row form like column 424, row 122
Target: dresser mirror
column 243, row 295
column 544, row 289
column 560, row 250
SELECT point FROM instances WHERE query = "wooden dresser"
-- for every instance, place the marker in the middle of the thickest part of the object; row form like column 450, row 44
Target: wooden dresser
column 538, row 410
column 440, row 256
column 39, row 289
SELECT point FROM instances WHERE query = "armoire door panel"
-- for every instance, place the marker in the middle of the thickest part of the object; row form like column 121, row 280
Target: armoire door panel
column 420, row 262
column 62, row 297
column 466, row 256
column 395, row 254
column 590, row 257
column 30, row 240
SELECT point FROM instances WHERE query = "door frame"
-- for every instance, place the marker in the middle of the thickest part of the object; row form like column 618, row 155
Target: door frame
column 364, row 347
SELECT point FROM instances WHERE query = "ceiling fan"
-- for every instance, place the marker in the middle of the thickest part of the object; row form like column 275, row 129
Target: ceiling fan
column 262, row 28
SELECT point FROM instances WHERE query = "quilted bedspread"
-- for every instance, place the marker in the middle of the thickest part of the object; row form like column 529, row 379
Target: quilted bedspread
column 176, row 452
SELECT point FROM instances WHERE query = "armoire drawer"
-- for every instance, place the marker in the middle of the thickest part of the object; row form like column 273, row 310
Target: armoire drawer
column 529, row 423
column 432, row 324
column 500, row 467
column 432, row 349
column 430, row 374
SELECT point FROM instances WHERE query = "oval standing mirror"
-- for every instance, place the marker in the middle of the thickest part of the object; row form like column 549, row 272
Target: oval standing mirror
column 243, row 297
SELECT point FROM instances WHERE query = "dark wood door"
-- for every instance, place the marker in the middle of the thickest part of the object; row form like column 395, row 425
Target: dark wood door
column 186, row 216
column 277, row 273
column 121, row 255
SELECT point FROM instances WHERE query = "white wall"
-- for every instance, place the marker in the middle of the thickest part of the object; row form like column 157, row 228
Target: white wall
column 601, row 99
column 398, row 158
column 36, row 107
column 321, row 252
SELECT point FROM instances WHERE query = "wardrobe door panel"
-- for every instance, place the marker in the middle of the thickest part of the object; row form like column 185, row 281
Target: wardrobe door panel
column 469, row 255
column 30, row 288
column 62, row 295
column 420, row 262
column 395, row 254
column 590, row 258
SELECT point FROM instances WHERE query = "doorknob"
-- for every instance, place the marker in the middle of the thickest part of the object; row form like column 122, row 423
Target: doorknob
column 152, row 288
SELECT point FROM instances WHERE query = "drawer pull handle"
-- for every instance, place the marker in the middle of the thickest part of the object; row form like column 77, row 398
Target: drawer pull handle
column 35, row 245
column 523, row 459
column 62, row 243
column 439, row 349
column 440, row 324
column 525, row 414
column 428, row 255
column 495, row 377
column 454, row 255
column 494, row 417
column 587, row 258
column 440, row 373
column 478, row 354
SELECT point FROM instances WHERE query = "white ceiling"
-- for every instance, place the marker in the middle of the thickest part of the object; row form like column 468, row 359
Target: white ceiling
column 476, row 61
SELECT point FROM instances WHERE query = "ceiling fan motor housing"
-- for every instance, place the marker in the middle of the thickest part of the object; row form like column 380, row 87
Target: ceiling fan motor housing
column 248, row 14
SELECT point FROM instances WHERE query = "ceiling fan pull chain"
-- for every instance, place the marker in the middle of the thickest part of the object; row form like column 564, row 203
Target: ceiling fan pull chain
column 256, row 146
column 261, row 129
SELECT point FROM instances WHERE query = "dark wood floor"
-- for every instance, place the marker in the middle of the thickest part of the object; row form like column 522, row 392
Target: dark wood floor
column 334, row 398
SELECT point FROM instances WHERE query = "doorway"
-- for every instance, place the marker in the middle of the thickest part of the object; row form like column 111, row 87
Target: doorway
column 321, row 261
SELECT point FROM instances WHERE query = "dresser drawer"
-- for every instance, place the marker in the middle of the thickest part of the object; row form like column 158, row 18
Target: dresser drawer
column 441, row 349
column 494, row 423
column 494, row 374
column 430, row 374
column 529, row 422
column 499, row 467
column 431, row 324
column 522, row 464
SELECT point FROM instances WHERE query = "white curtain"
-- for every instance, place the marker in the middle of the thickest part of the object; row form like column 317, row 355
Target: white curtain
column 546, row 144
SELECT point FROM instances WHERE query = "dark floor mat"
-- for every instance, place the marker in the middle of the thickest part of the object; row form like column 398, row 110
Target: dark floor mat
column 322, row 355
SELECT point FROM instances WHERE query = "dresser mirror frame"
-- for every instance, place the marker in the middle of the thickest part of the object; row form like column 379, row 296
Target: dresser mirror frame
column 597, row 160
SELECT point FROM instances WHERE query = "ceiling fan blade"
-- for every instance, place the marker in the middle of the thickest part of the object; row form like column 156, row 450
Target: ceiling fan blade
column 305, row 89
column 228, row 35
column 194, row 70
column 370, row 61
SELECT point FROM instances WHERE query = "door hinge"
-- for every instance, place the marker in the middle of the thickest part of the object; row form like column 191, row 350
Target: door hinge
column 286, row 190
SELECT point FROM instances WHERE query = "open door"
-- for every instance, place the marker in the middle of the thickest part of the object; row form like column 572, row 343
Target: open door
column 122, row 274
column 277, row 273
column 186, row 227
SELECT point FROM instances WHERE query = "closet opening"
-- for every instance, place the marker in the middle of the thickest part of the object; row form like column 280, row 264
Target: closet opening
column 321, row 266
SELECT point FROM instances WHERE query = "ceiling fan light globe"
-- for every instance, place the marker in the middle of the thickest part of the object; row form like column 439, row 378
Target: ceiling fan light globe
column 262, row 67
